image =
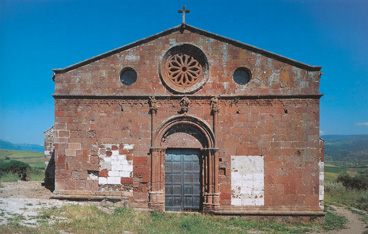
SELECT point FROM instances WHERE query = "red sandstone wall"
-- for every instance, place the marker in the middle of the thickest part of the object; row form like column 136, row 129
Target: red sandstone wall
column 284, row 131
column 269, row 76
column 288, row 141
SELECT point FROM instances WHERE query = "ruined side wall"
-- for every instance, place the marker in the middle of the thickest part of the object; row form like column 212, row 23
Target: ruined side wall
column 49, row 158
column 49, row 145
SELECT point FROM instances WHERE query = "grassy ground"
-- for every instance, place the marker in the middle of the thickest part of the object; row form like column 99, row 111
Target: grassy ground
column 91, row 219
column 350, row 198
column 34, row 159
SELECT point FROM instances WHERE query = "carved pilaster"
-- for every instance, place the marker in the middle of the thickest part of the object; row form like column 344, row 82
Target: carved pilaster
column 157, row 193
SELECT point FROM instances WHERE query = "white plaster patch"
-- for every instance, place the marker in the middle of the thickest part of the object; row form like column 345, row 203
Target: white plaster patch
column 321, row 166
column 116, row 165
column 102, row 180
column 113, row 173
column 113, row 180
column 247, row 180
column 132, row 57
column 128, row 147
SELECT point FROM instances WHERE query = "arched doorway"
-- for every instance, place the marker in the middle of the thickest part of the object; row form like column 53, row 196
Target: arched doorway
column 183, row 165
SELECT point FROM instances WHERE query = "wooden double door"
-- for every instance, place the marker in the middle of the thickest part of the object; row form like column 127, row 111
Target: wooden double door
column 182, row 180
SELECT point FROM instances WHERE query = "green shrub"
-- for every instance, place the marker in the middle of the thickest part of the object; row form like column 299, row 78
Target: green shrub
column 359, row 182
column 15, row 167
column 336, row 193
column 334, row 187
column 363, row 201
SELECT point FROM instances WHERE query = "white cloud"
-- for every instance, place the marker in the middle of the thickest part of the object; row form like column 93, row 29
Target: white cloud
column 365, row 124
column 321, row 132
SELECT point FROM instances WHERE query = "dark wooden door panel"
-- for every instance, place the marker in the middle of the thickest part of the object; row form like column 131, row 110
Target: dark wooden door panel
column 182, row 180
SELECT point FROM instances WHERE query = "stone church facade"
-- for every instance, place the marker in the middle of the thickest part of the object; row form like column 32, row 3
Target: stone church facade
column 187, row 120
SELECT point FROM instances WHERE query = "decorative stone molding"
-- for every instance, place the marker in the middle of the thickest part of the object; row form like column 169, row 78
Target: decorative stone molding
column 184, row 105
column 201, row 125
column 214, row 103
column 153, row 104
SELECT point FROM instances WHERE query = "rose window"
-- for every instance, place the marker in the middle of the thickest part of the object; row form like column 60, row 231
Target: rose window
column 184, row 68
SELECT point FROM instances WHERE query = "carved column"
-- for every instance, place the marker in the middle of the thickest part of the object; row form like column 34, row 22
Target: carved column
column 207, row 197
column 215, row 108
column 211, row 194
column 216, row 193
column 153, row 111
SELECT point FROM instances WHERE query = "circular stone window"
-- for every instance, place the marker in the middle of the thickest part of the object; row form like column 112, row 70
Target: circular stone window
column 184, row 68
column 128, row 76
column 242, row 76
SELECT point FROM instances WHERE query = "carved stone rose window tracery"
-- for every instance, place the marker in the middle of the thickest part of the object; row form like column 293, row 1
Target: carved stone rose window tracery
column 184, row 68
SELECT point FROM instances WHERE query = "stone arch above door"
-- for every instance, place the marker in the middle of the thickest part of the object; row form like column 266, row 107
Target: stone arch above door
column 184, row 131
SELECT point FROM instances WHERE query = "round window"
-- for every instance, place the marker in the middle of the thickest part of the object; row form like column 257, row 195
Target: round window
column 128, row 76
column 184, row 68
column 242, row 76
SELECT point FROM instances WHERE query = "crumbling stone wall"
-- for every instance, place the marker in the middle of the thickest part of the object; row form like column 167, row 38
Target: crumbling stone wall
column 49, row 154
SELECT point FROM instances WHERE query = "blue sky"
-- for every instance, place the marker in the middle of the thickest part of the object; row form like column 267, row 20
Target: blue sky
column 39, row 35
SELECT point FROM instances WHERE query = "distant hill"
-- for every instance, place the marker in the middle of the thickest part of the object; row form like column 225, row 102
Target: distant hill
column 23, row 147
column 351, row 149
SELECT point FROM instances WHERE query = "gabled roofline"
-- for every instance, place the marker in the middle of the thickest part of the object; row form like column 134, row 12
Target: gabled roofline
column 199, row 31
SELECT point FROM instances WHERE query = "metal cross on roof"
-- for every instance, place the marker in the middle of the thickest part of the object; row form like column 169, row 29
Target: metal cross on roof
column 183, row 11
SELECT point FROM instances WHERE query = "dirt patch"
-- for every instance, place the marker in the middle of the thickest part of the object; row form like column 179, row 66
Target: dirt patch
column 21, row 202
column 355, row 223
column 24, row 189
